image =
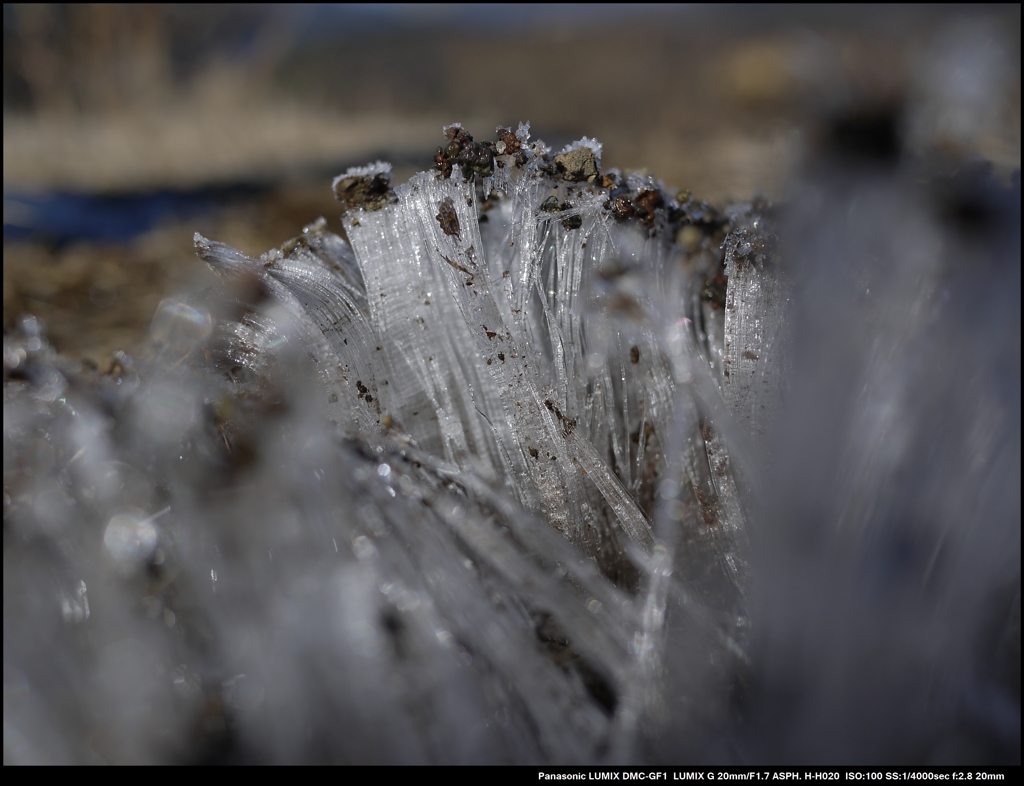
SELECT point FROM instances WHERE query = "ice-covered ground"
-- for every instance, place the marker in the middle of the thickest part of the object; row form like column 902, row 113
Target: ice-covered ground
column 542, row 463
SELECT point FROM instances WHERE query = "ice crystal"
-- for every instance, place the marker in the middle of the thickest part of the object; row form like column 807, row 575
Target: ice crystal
column 539, row 463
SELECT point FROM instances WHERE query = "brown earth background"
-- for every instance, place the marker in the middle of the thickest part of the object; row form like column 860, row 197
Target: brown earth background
column 255, row 109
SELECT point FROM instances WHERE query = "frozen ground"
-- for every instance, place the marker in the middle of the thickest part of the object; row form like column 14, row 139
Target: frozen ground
column 542, row 464
column 530, row 459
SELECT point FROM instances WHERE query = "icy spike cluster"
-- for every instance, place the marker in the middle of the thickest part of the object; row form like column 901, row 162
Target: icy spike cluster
column 511, row 313
column 539, row 464
column 473, row 564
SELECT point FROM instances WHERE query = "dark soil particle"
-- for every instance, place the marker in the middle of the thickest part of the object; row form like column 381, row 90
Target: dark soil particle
column 371, row 192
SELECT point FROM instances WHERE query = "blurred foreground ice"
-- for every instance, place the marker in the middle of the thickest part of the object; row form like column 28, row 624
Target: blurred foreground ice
column 541, row 464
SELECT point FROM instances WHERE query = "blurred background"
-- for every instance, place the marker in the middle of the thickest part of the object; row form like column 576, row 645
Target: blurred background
column 128, row 128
